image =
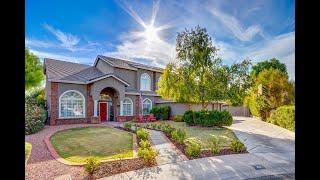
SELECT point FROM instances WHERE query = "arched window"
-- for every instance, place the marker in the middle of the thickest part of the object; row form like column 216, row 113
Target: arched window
column 145, row 82
column 127, row 107
column 71, row 105
column 146, row 106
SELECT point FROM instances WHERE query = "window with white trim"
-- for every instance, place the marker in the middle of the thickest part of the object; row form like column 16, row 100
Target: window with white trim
column 127, row 107
column 146, row 106
column 72, row 105
column 145, row 82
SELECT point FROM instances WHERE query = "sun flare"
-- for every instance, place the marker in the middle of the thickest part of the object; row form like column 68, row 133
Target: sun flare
column 150, row 33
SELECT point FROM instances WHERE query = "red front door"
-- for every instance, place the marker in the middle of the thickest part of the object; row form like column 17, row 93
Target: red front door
column 103, row 111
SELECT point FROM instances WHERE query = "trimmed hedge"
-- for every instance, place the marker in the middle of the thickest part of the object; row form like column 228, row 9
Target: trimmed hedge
column 161, row 112
column 208, row 118
column 284, row 117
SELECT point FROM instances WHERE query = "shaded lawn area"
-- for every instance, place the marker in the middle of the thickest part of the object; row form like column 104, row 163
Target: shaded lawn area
column 101, row 142
column 27, row 151
column 204, row 133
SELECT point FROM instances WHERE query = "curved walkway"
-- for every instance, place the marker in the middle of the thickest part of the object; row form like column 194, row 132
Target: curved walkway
column 41, row 165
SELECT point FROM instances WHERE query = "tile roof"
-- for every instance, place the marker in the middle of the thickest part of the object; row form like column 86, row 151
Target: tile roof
column 57, row 70
column 127, row 64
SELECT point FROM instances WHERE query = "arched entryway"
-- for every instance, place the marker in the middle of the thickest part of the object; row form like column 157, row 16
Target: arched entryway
column 108, row 104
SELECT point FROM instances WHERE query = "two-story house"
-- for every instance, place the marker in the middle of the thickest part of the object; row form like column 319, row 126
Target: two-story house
column 111, row 89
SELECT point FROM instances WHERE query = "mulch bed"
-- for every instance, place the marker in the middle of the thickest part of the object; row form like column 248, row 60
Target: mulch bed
column 204, row 153
column 119, row 166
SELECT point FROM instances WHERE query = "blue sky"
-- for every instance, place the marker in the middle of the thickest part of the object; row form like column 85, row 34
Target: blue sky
column 145, row 31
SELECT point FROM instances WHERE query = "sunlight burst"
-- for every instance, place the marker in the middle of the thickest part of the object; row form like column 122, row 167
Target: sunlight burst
column 150, row 33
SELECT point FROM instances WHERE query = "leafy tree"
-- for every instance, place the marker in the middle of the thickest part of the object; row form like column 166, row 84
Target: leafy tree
column 271, row 90
column 33, row 70
column 199, row 75
column 239, row 82
column 267, row 64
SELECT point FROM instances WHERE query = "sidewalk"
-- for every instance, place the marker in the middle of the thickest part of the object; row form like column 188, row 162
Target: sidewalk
column 236, row 166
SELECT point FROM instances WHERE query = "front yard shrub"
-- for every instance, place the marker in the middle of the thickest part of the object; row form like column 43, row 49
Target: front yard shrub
column 208, row 118
column 148, row 154
column 27, row 151
column 142, row 134
column 35, row 113
column 179, row 135
column 193, row 147
column 161, row 112
column 283, row 117
column 177, row 118
column 144, row 144
column 154, row 126
column 167, row 128
column 188, row 117
column 127, row 125
column 159, row 127
column 214, row 144
column 91, row 164
column 237, row 146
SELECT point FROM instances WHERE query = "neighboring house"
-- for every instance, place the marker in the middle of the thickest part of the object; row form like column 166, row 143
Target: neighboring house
column 111, row 89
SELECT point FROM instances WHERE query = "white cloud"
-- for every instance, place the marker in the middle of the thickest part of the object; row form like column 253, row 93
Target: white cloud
column 281, row 47
column 68, row 40
column 39, row 43
column 159, row 52
column 42, row 54
column 235, row 26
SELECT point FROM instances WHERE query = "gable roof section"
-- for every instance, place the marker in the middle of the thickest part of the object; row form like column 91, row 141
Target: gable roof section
column 120, row 63
column 68, row 72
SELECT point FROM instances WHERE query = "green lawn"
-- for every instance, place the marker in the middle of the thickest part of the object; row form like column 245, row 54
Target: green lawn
column 101, row 142
column 204, row 133
column 27, row 151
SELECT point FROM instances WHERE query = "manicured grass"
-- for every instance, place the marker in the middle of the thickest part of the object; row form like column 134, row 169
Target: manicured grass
column 204, row 133
column 101, row 142
column 27, row 151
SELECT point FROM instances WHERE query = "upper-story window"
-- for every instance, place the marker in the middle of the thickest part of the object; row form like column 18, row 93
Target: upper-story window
column 145, row 82
column 71, row 105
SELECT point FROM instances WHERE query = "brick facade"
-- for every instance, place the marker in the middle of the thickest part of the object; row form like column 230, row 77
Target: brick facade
column 71, row 121
column 125, row 118
column 54, row 103
column 54, row 116
column 90, row 103
column 137, row 105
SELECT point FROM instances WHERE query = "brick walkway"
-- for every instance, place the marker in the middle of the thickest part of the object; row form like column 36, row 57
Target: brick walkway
column 168, row 152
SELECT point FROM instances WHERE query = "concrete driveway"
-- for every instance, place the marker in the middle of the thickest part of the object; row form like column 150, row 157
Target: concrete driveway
column 263, row 138
column 270, row 146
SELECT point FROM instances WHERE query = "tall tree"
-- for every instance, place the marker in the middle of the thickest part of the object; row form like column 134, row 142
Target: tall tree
column 33, row 70
column 268, row 64
column 199, row 75
column 239, row 82
column 271, row 90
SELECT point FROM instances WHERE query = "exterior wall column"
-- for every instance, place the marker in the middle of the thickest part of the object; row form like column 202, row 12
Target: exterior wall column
column 121, row 112
column 95, row 107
